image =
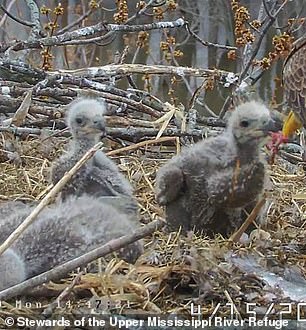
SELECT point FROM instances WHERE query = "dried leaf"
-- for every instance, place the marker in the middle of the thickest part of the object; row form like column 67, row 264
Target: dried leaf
column 164, row 126
column 165, row 119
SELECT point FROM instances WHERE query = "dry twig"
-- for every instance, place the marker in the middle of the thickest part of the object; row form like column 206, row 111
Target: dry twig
column 252, row 216
column 207, row 43
column 142, row 144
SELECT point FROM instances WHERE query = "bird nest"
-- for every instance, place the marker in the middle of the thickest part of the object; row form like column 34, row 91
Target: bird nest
column 175, row 271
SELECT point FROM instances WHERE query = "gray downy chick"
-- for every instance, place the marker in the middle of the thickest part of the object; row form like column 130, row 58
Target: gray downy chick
column 206, row 185
column 100, row 176
column 62, row 232
column 7, row 208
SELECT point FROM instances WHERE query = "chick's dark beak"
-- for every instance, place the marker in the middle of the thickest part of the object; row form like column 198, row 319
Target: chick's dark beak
column 270, row 126
column 99, row 126
column 102, row 129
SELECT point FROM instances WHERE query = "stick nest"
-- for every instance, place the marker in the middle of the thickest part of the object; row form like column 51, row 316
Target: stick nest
column 174, row 270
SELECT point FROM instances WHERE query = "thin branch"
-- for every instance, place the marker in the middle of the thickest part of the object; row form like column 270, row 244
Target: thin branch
column 260, row 39
column 267, row 9
column 225, row 106
column 254, row 80
column 78, row 21
column 110, row 34
column 47, row 199
column 97, row 41
column 9, row 6
column 236, row 236
column 16, row 19
column 62, row 270
column 141, row 144
column 207, row 43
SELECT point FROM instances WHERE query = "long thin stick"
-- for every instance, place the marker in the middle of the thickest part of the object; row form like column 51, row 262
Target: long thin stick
column 46, row 200
column 62, row 270
column 252, row 216
column 141, row 144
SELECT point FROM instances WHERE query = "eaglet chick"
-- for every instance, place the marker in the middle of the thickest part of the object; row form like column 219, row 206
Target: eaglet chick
column 62, row 232
column 100, row 176
column 206, row 185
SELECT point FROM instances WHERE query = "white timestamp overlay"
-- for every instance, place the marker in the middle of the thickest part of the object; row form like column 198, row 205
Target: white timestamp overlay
column 119, row 322
column 277, row 316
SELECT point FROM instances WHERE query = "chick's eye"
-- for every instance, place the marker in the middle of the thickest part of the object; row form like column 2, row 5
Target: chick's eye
column 78, row 120
column 244, row 123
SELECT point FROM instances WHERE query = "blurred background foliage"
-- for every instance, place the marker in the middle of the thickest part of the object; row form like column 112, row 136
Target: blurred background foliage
column 223, row 22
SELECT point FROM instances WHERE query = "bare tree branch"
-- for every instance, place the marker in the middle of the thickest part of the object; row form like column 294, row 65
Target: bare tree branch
column 74, row 36
column 131, row 133
column 16, row 19
column 35, row 18
column 207, row 43
column 78, row 21
column 260, row 39
column 8, row 8
column 113, row 70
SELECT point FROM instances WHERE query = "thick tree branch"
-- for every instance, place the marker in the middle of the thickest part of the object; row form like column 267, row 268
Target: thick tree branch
column 75, row 36
column 133, row 134
column 35, row 18
column 21, row 72
column 112, row 70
